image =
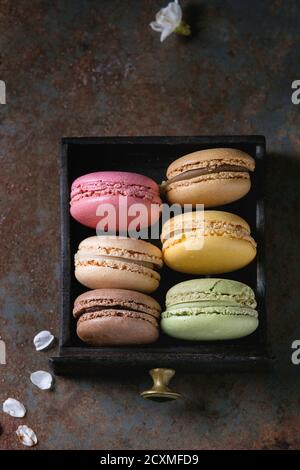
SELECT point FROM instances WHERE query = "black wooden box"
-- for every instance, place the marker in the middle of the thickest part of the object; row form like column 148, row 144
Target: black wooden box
column 151, row 156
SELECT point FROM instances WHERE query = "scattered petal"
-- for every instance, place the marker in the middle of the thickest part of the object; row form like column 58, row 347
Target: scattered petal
column 2, row 352
column 14, row 408
column 43, row 340
column 42, row 379
column 27, row 436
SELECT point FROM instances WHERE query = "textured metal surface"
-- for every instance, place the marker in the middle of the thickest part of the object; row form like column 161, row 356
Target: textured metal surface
column 95, row 68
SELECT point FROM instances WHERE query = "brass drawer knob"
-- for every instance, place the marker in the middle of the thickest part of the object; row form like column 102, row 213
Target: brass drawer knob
column 160, row 390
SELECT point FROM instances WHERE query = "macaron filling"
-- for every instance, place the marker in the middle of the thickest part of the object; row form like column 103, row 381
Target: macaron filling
column 217, row 228
column 82, row 307
column 190, row 174
column 198, row 309
column 80, row 259
column 207, row 165
column 124, row 265
column 103, row 188
column 117, row 312
column 115, row 308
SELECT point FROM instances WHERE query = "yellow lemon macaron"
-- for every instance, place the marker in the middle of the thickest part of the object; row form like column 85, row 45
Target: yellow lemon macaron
column 207, row 242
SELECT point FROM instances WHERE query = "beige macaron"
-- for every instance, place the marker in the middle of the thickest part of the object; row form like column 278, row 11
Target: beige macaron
column 118, row 262
column 212, row 177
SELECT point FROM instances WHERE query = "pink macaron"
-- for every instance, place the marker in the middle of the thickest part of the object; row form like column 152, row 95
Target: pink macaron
column 115, row 200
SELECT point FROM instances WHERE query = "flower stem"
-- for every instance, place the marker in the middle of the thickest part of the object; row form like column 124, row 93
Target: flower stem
column 183, row 29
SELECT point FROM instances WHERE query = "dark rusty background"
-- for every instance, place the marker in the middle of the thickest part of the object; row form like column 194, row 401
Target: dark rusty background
column 92, row 68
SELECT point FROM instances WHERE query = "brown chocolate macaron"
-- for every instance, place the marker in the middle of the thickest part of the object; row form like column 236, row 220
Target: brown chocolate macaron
column 108, row 317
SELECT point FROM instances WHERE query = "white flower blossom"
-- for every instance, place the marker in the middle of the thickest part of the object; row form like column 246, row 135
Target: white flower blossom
column 168, row 20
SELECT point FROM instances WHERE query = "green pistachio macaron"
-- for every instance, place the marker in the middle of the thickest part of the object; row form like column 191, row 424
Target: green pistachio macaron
column 209, row 310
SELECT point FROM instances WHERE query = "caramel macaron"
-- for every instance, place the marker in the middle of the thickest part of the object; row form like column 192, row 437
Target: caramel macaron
column 212, row 177
column 107, row 317
column 207, row 242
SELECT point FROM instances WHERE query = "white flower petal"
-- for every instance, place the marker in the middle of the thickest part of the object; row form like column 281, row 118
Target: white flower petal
column 165, row 24
column 27, row 436
column 175, row 13
column 156, row 27
column 166, row 32
column 43, row 340
column 14, row 408
column 167, row 20
column 42, row 379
